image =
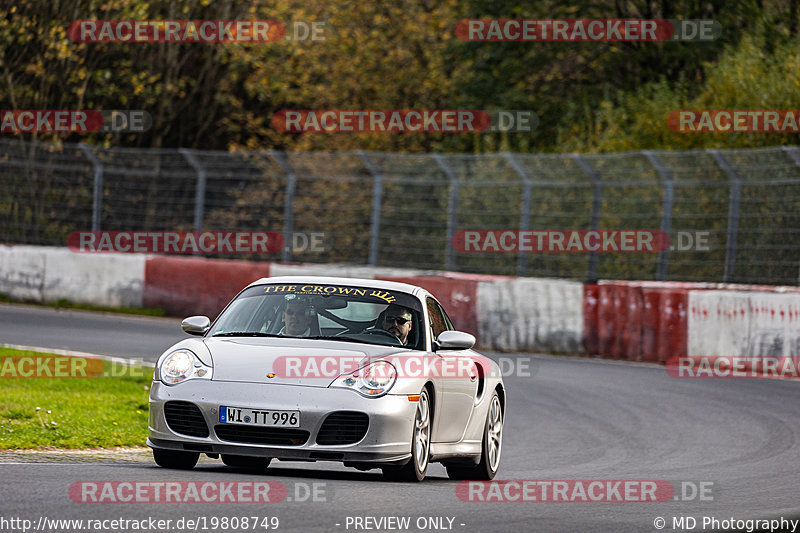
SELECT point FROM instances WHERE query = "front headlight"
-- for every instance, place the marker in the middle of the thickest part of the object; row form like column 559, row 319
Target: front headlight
column 372, row 381
column 181, row 365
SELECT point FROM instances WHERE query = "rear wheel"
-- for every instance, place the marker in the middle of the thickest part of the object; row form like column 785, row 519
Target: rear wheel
column 490, row 450
column 175, row 459
column 246, row 462
column 416, row 468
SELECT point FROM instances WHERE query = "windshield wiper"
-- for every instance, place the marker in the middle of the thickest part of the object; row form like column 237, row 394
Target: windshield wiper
column 244, row 334
column 338, row 338
column 350, row 339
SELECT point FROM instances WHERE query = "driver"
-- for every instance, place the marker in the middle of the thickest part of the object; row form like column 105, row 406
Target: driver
column 397, row 321
column 297, row 317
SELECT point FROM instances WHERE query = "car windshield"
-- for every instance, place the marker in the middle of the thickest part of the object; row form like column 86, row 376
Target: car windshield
column 345, row 313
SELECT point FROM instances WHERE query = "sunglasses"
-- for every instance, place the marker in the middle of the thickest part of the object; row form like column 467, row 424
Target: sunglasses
column 396, row 320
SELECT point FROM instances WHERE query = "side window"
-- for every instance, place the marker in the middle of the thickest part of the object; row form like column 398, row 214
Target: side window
column 438, row 321
column 447, row 320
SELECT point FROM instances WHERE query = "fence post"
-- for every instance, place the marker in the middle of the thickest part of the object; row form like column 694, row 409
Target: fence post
column 97, row 192
column 733, row 212
column 377, row 196
column 666, row 210
column 200, row 192
column 794, row 153
column 288, row 204
column 597, row 196
column 526, row 207
column 452, row 209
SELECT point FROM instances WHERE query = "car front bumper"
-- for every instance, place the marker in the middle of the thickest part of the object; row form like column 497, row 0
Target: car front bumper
column 387, row 440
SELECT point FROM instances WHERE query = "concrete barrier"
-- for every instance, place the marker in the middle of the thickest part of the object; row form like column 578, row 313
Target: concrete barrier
column 22, row 272
column 184, row 286
column 633, row 327
column 606, row 331
column 654, row 321
column 651, row 323
column 339, row 270
column 48, row 274
column 638, row 321
column 737, row 323
column 591, row 302
column 531, row 315
column 114, row 280
column 672, row 331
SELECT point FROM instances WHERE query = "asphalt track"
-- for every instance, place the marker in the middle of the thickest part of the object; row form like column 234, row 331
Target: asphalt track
column 100, row 333
column 572, row 418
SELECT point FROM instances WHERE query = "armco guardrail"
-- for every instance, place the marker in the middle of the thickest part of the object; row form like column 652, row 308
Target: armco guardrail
column 637, row 321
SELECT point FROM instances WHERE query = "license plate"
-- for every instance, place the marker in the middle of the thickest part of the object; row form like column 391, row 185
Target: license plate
column 258, row 417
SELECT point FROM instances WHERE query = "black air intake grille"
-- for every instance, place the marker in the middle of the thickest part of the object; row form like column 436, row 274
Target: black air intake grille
column 343, row 427
column 261, row 435
column 185, row 418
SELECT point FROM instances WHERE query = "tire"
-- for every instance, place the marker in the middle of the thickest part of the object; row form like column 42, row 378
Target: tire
column 491, row 448
column 246, row 462
column 175, row 459
column 416, row 468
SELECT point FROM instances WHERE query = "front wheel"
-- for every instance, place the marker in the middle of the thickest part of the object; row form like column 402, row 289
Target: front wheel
column 175, row 459
column 490, row 450
column 416, row 468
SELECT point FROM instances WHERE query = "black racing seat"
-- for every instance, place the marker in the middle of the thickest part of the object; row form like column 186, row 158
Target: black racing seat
column 314, row 325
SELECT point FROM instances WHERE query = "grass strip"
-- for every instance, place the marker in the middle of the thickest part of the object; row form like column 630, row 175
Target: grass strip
column 71, row 412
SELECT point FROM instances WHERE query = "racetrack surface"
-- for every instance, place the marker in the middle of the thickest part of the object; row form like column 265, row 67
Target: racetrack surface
column 573, row 418
column 101, row 333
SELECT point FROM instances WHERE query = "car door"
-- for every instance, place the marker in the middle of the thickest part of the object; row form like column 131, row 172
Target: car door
column 457, row 381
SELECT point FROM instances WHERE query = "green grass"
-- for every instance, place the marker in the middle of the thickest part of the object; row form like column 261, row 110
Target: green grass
column 99, row 412
column 63, row 303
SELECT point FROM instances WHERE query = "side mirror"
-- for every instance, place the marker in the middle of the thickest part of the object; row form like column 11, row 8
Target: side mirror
column 196, row 325
column 455, row 340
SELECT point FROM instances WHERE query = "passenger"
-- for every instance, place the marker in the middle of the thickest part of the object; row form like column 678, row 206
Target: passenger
column 297, row 316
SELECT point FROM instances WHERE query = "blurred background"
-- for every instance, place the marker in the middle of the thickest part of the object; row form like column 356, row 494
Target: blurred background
column 601, row 157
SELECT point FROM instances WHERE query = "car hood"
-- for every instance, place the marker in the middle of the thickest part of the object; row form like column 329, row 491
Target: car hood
column 308, row 362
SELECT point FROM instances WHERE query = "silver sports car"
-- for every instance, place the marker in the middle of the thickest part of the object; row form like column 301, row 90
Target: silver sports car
column 369, row 373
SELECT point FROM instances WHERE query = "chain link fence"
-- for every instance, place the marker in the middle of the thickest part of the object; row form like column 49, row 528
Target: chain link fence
column 401, row 210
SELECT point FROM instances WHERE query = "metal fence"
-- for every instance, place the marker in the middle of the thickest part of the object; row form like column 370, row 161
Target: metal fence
column 401, row 210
